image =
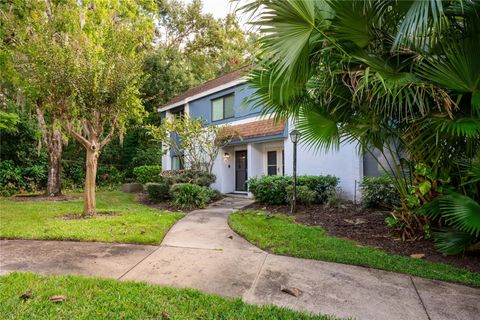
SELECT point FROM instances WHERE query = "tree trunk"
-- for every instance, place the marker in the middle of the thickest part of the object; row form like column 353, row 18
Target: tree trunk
column 89, row 202
column 54, row 183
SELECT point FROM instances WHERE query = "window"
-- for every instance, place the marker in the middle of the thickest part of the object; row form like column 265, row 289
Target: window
column 177, row 162
column 272, row 163
column 222, row 108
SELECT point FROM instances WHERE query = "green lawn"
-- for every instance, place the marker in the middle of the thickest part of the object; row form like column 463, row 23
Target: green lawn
column 281, row 235
column 39, row 220
column 89, row 298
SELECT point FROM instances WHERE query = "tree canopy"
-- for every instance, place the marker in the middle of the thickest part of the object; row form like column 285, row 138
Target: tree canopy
column 400, row 77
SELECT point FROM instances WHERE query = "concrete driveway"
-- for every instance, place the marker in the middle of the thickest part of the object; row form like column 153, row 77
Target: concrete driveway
column 202, row 252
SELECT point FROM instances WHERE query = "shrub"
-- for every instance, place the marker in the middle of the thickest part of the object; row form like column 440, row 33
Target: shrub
column 324, row 186
column 305, row 195
column 270, row 189
column 188, row 195
column 379, row 192
column 198, row 177
column 158, row 191
column 273, row 189
column 109, row 175
column 14, row 179
column 144, row 174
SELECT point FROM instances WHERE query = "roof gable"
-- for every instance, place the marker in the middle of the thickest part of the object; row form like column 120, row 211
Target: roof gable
column 230, row 79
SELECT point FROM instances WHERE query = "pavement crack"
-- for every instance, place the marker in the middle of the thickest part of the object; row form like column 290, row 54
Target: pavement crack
column 420, row 298
column 255, row 281
column 136, row 264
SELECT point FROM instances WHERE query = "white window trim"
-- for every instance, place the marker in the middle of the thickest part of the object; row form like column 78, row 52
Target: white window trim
column 279, row 150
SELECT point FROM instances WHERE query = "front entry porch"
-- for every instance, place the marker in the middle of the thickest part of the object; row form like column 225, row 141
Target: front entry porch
column 236, row 164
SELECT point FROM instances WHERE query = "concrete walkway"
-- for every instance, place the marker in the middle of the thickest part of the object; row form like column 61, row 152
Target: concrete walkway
column 202, row 252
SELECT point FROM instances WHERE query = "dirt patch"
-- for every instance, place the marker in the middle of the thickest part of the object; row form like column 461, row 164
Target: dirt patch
column 368, row 227
column 42, row 198
column 77, row 216
column 142, row 198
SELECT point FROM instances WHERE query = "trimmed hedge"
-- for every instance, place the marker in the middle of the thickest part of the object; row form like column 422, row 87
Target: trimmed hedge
column 188, row 195
column 270, row 189
column 379, row 192
column 158, row 191
column 275, row 189
column 305, row 195
column 324, row 186
column 201, row 178
column 145, row 174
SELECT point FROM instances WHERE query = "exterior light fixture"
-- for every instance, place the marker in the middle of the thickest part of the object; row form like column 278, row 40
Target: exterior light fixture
column 294, row 136
column 226, row 157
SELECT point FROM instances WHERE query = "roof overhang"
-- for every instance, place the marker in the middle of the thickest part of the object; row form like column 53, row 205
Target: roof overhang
column 203, row 94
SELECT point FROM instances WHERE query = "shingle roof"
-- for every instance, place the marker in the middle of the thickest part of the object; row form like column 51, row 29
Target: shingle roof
column 260, row 128
column 231, row 76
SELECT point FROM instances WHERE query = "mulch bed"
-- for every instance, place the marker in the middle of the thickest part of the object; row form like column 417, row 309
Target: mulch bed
column 42, row 198
column 142, row 198
column 75, row 216
column 368, row 227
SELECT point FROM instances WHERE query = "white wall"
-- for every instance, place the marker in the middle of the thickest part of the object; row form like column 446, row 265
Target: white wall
column 255, row 160
column 224, row 171
column 344, row 164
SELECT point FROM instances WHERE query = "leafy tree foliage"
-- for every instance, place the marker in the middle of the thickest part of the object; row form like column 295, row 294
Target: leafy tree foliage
column 400, row 77
column 191, row 47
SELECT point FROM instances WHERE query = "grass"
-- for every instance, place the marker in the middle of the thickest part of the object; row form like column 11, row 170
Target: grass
column 135, row 223
column 89, row 298
column 279, row 234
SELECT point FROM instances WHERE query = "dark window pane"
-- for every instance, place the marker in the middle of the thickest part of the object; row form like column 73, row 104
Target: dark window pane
column 272, row 170
column 229, row 111
column 272, row 158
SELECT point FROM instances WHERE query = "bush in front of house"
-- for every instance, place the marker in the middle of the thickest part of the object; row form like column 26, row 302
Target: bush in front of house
column 270, row 189
column 379, row 192
column 198, row 177
column 189, row 195
column 275, row 189
column 158, row 191
column 145, row 174
column 324, row 186
column 305, row 195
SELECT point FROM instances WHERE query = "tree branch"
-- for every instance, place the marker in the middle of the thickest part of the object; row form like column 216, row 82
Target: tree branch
column 68, row 126
column 110, row 133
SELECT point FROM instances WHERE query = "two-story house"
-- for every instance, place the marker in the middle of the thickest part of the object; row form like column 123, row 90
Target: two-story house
column 265, row 147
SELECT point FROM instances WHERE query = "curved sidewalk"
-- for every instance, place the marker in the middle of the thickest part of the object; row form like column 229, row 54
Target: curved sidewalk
column 202, row 252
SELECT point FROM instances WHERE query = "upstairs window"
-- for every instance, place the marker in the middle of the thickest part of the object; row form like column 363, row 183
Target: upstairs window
column 222, row 108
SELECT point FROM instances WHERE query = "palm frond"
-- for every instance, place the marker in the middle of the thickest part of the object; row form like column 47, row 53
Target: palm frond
column 318, row 130
column 461, row 212
column 423, row 22
column 287, row 28
column 352, row 21
column 456, row 66
column 452, row 242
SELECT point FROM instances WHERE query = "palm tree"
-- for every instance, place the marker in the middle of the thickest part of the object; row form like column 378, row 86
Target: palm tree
column 401, row 77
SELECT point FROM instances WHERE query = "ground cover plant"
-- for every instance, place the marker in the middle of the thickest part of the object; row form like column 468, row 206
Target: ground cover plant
column 87, row 298
column 280, row 234
column 130, row 223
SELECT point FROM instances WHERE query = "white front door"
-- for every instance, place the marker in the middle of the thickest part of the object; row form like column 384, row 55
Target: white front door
column 274, row 162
